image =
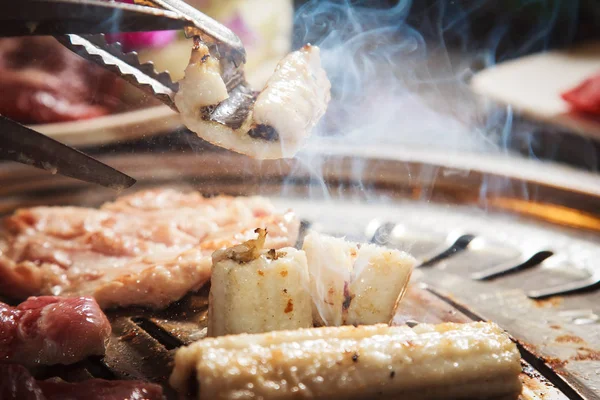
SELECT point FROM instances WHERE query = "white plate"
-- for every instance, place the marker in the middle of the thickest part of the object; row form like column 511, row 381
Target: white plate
column 533, row 85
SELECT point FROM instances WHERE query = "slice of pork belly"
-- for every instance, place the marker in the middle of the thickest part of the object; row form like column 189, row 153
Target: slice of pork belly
column 147, row 249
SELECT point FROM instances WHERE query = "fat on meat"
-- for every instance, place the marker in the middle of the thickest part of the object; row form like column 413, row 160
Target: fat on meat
column 51, row 330
column 16, row 383
column 147, row 249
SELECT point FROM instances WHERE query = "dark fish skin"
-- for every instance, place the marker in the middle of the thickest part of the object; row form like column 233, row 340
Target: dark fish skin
column 233, row 111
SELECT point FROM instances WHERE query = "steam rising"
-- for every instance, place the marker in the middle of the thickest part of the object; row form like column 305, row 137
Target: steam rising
column 377, row 64
column 392, row 88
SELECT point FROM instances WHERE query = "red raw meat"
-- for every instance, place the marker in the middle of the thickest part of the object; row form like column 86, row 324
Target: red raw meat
column 42, row 82
column 17, row 384
column 52, row 330
column 585, row 97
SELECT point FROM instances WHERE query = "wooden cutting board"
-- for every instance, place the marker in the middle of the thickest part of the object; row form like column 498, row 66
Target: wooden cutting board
column 533, row 84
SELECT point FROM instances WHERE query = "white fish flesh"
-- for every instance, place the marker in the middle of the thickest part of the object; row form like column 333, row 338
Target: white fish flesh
column 219, row 106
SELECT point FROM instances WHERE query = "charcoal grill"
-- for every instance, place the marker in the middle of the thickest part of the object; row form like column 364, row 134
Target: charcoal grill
column 507, row 240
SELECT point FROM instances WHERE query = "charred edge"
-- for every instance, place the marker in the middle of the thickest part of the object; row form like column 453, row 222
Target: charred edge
column 197, row 43
column 264, row 132
column 274, row 255
column 289, row 307
column 163, row 337
column 458, row 246
column 206, row 111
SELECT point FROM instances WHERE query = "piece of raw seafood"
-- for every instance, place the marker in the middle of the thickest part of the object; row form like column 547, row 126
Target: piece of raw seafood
column 16, row 383
column 446, row 361
column 254, row 290
column 146, row 249
column 52, row 330
column 354, row 284
column 217, row 103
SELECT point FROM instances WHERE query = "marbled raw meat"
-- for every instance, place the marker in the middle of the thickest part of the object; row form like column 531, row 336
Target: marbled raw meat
column 52, row 330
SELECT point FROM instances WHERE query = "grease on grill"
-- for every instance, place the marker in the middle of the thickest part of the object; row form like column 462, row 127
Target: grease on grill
column 569, row 339
column 585, row 354
column 264, row 132
column 549, row 302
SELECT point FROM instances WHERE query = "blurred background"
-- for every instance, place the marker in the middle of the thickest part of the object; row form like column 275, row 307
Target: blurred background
column 441, row 76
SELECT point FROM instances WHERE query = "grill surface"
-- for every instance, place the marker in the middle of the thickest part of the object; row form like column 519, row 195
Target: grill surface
column 483, row 256
column 143, row 343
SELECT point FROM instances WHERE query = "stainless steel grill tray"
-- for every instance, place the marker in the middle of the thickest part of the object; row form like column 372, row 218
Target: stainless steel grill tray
column 498, row 255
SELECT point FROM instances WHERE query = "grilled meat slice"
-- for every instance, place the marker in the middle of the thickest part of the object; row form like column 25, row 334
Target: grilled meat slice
column 52, row 330
column 16, row 383
column 147, row 249
column 274, row 123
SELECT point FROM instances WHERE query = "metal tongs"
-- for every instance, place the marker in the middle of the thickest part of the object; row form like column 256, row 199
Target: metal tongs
column 80, row 25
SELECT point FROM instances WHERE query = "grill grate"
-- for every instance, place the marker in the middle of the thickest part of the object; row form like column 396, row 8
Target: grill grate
column 476, row 256
column 144, row 341
column 142, row 347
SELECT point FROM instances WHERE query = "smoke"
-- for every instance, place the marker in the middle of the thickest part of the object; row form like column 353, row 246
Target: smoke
column 400, row 77
column 378, row 66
